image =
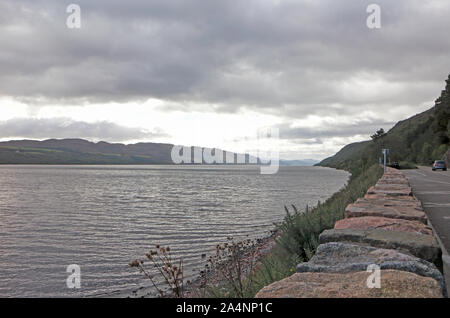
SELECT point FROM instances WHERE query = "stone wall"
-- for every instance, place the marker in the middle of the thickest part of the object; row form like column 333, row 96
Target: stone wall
column 383, row 248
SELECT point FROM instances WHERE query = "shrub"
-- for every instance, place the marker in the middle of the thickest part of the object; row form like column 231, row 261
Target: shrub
column 299, row 233
column 239, row 274
column 170, row 270
column 300, row 229
column 232, row 265
column 407, row 165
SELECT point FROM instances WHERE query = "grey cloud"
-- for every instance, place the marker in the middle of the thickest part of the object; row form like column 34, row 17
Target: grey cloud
column 290, row 57
column 315, row 135
column 67, row 128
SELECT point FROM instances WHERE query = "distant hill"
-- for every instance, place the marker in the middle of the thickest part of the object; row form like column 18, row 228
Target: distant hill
column 420, row 139
column 300, row 162
column 347, row 153
column 79, row 151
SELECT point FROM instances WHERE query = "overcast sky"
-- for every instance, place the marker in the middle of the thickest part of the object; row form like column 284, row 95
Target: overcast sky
column 212, row 72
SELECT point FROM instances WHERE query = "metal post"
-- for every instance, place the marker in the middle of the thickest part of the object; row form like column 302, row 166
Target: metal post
column 384, row 152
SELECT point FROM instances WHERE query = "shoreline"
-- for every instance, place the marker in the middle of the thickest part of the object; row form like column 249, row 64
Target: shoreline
column 251, row 255
column 261, row 248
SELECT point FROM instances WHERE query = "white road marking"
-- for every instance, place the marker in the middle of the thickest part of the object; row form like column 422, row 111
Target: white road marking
column 438, row 173
column 429, row 180
column 415, row 172
column 428, row 176
column 435, row 205
column 432, row 192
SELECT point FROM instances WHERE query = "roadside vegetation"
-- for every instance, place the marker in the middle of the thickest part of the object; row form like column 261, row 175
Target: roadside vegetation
column 406, row 165
column 420, row 139
column 170, row 270
column 297, row 238
column 235, row 271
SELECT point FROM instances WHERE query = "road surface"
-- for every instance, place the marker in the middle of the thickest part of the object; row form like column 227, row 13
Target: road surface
column 433, row 189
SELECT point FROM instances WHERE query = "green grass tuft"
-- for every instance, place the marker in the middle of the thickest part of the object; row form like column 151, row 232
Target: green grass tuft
column 299, row 234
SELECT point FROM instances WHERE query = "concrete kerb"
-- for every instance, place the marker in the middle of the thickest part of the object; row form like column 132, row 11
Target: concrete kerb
column 445, row 258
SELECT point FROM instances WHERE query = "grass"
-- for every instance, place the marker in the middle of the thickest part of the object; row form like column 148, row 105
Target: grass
column 238, row 273
column 407, row 165
column 299, row 233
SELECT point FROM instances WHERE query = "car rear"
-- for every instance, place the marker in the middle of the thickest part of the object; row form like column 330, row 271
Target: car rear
column 439, row 164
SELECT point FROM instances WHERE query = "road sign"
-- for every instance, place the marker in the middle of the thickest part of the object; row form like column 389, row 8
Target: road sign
column 385, row 152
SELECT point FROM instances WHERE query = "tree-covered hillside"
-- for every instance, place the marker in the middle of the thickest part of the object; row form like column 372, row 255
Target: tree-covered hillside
column 421, row 139
column 79, row 151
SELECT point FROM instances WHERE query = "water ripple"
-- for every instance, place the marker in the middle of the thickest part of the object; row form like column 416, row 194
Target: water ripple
column 100, row 217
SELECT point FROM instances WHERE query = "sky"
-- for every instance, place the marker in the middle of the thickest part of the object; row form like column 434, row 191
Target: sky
column 213, row 73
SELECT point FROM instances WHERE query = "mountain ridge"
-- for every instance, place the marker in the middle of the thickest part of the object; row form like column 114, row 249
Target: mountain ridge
column 81, row 151
column 420, row 139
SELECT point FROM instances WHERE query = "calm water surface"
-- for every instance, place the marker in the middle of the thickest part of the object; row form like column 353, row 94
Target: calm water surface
column 100, row 217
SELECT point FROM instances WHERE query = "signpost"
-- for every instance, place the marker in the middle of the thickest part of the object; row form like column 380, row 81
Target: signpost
column 385, row 152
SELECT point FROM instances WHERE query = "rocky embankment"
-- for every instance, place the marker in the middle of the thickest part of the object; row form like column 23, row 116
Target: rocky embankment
column 385, row 230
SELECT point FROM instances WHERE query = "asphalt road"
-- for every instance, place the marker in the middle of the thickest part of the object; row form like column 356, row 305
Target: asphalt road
column 432, row 188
